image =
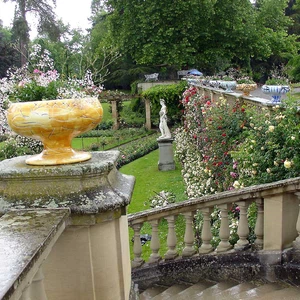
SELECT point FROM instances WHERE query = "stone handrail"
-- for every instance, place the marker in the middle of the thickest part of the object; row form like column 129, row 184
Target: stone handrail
column 215, row 93
column 26, row 239
column 276, row 224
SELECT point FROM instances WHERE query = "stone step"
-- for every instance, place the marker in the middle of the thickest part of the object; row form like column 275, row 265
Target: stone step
column 214, row 291
column 171, row 291
column 151, row 292
column 290, row 293
column 193, row 290
column 257, row 292
column 235, row 290
column 229, row 290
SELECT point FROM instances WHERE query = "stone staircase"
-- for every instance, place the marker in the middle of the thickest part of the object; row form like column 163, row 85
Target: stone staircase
column 227, row 290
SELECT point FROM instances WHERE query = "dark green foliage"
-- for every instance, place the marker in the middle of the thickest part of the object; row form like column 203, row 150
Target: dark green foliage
column 172, row 95
column 137, row 105
column 294, row 68
column 8, row 55
column 34, row 92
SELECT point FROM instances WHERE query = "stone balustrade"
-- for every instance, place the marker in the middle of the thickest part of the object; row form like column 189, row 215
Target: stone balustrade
column 277, row 223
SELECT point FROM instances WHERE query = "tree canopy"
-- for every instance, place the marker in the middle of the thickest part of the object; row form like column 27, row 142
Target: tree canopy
column 43, row 11
column 201, row 33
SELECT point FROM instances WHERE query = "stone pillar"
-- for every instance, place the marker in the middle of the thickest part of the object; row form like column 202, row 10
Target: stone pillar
column 280, row 217
column 91, row 258
column 115, row 114
column 166, row 156
column 148, row 114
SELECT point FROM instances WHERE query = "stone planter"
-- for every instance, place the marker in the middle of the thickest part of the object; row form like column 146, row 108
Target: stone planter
column 276, row 91
column 246, row 88
column 55, row 123
column 228, row 85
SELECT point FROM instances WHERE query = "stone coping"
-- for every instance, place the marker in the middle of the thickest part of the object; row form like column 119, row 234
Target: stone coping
column 243, row 194
column 258, row 101
column 25, row 236
column 88, row 187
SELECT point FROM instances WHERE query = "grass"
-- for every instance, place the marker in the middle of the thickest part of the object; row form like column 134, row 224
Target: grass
column 148, row 181
column 106, row 113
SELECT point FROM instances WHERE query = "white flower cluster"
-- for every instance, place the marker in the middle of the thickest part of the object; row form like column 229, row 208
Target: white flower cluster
column 162, row 199
column 41, row 58
column 80, row 88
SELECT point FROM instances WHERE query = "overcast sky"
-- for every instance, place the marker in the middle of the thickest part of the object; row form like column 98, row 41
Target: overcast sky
column 73, row 12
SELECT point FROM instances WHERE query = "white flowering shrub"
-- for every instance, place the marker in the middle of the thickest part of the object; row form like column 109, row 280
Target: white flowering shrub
column 271, row 145
column 161, row 199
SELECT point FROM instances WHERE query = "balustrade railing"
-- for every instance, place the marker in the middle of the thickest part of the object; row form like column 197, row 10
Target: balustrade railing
column 277, row 224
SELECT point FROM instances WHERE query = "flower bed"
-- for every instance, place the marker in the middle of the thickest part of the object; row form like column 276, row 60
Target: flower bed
column 132, row 151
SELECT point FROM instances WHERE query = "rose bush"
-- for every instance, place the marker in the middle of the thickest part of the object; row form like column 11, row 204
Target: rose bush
column 210, row 132
column 224, row 146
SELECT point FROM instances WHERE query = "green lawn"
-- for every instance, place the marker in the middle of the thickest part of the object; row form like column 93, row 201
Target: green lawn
column 149, row 180
column 106, row 113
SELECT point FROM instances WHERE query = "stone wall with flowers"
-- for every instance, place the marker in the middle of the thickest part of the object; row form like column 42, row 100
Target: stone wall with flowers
column 226, row 146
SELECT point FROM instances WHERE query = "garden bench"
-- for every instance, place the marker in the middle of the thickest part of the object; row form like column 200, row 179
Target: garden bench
column 26, row 239
column 153, row 76
column 182, row 73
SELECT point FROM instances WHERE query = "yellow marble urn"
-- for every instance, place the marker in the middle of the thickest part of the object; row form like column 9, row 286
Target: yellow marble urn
column 55, row 123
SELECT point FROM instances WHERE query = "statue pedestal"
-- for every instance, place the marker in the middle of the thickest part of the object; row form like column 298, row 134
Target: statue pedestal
column 166, row 156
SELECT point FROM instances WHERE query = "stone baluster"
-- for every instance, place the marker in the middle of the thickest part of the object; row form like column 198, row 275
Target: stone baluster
column 296, row 243
column 224, row 245
column 154, row 244
column 171, row 239
column 206, row 234
column 137, row 246
column 243, row 226
column 189, row 235
column 259, row 225
column 37, row 289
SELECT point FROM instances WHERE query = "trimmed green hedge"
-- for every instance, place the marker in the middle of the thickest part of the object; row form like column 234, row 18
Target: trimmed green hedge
column 172, row 94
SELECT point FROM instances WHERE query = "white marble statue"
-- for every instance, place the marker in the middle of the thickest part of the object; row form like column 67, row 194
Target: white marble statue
column 163, row 127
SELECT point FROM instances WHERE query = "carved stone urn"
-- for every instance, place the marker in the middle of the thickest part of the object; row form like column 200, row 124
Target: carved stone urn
column 55, row 123
column 276, row 91
column 246, row 88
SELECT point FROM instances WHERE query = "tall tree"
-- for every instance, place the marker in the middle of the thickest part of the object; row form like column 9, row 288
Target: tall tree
column 43, row 11
column 8, row 55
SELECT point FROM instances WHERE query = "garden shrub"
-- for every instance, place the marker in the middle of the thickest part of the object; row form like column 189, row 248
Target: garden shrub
column 171, row 94
column 130, row 119
column 271, row 145
column 17, row 145
column 204, row 143
column 224, row 146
